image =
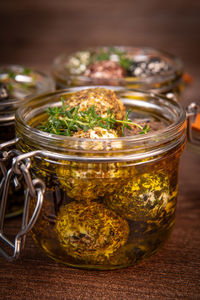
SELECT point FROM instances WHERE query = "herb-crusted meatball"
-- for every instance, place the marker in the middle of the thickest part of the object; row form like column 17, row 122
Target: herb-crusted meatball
column 96, row 133
column 142, row 198
column 90, row 232
column 103, row 100
column 85, row 182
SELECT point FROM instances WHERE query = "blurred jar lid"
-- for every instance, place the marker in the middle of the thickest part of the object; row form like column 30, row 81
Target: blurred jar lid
column 17, row 84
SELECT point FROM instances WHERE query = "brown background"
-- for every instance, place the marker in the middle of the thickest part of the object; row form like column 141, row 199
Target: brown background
column 33, row 33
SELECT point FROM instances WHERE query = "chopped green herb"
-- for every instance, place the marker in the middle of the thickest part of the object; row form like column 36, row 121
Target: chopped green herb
column 145, row 129
column 124, row 61
column 27, row 71
column 102, row 56
column 11, row 74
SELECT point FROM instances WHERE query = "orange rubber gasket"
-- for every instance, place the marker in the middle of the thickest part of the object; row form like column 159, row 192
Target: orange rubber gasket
column 196, row 124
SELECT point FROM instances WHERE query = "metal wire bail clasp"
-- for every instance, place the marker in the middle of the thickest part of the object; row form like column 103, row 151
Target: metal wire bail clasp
column 192, row 111
column 35, row 189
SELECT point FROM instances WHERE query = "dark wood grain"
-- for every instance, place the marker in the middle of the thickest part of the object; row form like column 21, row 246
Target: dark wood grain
column 33, row 33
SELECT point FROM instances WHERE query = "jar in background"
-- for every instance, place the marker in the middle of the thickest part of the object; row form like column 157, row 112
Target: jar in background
column 132, row 67
column 17, row 85
column 109, row 203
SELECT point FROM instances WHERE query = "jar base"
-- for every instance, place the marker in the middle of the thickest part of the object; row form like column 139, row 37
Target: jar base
column 101, row 267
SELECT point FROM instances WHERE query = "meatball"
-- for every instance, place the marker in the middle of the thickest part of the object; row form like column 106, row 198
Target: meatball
column 141, row 198
column 97, row 133
column 90, row 232
column 89, row 181
column 85, row 182
column 103, row 100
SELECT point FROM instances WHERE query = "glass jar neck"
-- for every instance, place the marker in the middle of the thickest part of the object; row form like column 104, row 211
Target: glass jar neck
column 99, row 150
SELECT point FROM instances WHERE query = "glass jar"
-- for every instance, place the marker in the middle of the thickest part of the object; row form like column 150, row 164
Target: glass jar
column 109, row 203
column 17, row 85
column 132, row 67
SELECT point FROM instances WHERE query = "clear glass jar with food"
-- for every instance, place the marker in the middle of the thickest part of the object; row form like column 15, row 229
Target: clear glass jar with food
column 109, row 159
column 17, row 85
column 138, row 68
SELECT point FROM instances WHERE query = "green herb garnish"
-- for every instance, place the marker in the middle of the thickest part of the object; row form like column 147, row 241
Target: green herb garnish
column 11, row 82
column 27, row 71
column 145, row 129
column 124, row 61
column 66, row 121
column 102, row 56
column 11, row 75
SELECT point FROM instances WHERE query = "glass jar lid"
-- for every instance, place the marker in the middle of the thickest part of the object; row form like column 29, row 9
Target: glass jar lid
column 17, row 84
column 146, row 68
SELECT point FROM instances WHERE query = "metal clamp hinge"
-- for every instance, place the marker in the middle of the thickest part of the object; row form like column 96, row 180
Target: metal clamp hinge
column 35, row 189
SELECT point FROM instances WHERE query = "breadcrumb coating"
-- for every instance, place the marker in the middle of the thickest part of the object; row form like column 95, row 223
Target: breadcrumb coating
column 103, row 100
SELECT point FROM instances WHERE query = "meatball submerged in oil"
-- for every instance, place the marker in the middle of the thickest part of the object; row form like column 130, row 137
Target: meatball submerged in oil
column 91, row 232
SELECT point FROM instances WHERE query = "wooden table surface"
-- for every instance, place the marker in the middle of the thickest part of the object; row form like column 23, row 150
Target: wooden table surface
column 33, row 34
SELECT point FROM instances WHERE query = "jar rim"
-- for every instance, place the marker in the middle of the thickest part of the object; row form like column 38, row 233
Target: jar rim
column 150, row 143
column 174, row 75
